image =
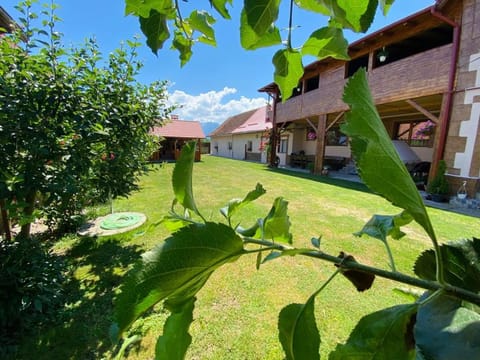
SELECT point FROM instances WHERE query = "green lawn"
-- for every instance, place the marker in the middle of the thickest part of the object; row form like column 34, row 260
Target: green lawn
column 236, row 313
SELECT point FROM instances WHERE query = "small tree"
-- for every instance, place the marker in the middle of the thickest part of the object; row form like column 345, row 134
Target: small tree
column 74, row 127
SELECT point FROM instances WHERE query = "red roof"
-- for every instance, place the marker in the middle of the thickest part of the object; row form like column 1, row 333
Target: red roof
column 256, row 122
column 179, row 129
column 250, row 121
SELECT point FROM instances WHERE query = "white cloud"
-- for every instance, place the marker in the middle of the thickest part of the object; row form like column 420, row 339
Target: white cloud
column 212, row 106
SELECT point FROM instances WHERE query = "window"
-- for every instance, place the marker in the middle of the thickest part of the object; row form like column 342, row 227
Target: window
column 311, row 134
column 283, row 145
column 421, row 42
column 249, row 145
column 230, row 145
column 312, row 83
column 355, row 64
column 335, row 137
column 418, row 133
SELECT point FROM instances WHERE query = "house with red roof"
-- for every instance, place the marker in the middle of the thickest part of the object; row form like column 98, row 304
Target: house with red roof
column 173, row 135
column 243, row 136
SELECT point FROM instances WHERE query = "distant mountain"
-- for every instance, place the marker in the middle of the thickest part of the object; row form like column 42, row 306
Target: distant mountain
column 208, row 127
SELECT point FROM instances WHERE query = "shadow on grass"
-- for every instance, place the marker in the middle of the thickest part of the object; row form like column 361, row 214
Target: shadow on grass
column 352, row 185
column 80, row 328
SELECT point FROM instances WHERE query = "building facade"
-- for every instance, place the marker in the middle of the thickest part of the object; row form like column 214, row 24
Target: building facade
column 423, row 72
column 243, row 136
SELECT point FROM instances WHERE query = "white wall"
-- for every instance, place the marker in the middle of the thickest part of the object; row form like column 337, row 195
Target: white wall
column 239, row 141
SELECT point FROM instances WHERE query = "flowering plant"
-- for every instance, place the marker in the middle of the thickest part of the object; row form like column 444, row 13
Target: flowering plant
column 425, row 129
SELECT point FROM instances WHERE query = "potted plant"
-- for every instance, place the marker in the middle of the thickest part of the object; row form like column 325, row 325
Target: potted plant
column 438, row 188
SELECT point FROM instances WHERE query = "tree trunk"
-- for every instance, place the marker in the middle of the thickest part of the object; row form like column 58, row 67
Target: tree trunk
column 27, row 212
column 5, row 221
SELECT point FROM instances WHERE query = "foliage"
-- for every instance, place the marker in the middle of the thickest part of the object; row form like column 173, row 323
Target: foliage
column 74, row 125
column 31, row 281
column 178, row 268
column 259, row 27
column 439, row 184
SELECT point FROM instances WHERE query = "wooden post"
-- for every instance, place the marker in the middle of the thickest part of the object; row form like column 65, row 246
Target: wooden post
column 320, row 151
column 273, row 136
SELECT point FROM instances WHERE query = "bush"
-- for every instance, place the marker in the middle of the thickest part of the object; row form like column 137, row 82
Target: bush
column 439, row 184
column 31, row 281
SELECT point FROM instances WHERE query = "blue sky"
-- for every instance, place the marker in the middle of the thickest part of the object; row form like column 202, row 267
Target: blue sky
column 218, row 81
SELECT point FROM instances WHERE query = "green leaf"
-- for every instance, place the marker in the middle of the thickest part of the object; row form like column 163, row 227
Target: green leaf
column 384, row 334
column 182, row 177
column 288, row 71
column 184, row 47
column 447, row 330
column 298, row 332
column 155, row 28
column 202, row 21
column 379, row 164
column 175, row 270
column 276, row 225
column 175, row 340
column 357, row 15
column 142, row 8
column 461, row 264
column 385, row 5
column 220, row 6
column 236, row 204
column 325, row 42
column 257, row 24
column 314, row 6
column 251, row 231
column 382, row 226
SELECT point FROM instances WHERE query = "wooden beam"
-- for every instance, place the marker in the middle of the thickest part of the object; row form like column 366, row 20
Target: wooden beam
column 424, row 111
column 314, row 127
column 320, row 149
column 339, row 116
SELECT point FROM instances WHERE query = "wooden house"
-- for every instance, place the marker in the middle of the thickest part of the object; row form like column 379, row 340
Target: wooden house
column 173, row 135
column 424, row 74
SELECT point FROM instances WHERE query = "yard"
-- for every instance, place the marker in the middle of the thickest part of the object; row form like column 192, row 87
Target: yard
column 237, row 312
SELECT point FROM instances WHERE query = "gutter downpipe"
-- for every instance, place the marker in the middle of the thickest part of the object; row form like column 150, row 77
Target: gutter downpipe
column 273, row 136
column 451, row 85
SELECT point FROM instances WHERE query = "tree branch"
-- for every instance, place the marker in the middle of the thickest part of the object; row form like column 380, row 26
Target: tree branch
column 395, row 276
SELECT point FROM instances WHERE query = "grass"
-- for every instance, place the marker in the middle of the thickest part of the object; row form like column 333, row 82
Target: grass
column 236, row 312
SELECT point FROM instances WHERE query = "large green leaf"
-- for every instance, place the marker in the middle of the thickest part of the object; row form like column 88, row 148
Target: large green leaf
column 220, row 6
column 155, row 29
column 379, row 164
column 202, row 21
column 175, row 340
column 357, row 15
column 298, row 332
column 175, row 270
column 276, row 225
column 461, row 264
column 446, row 330
column 184, row 47
column 142, row 7
column 256, row 24
column 325, row 42
column 385, row 334
column 288, row 70
column 182, row 177
column 382, row 226
column 236, row 204
column 314, row 6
